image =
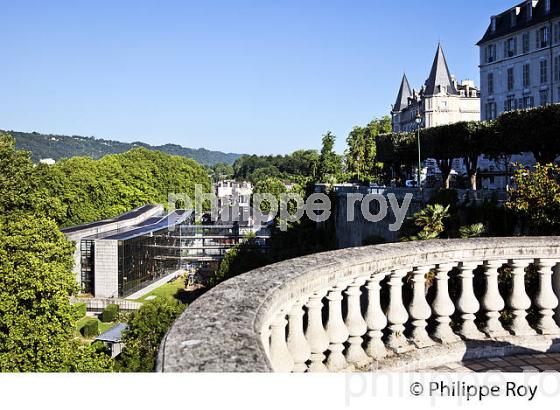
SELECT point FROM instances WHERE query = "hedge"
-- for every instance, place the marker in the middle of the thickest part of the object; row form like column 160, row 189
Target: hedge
column 110, row 313
column 90, row 328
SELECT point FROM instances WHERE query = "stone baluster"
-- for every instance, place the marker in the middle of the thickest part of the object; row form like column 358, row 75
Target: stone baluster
column 336, row 329
column 355, row 324
column 297, row 343
column 518, row 300
column 419, row 309
column 556, row 287
column 280, row 356
column 545, row 299
column 315, row 333
column 396, row 313
column 467, row 304
column 375, row 319
column 492, row 301
column 443, row 306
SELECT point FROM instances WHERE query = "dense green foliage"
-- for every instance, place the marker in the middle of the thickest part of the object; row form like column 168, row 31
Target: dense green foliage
column 147, row 327
column 110, row 313
column 361, row 155
column 80, row 309
column 330, row 166
column 537, row 199
column 61, row 146
column 37, row 320
column 534, row 131
column 90, row 328
column 294, row 167
column 88, row 190
column 429, row 223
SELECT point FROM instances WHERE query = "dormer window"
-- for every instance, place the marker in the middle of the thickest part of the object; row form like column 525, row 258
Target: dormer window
column 530, row 10
column 547, row 6
column 513, row 18
column 493, row 24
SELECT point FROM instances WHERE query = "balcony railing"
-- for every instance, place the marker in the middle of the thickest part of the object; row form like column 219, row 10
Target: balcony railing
column 420, row 302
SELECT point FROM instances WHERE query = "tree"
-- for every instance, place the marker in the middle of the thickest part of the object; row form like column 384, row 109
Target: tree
column 537, row 198
column 429, row 222
column 36, row 283
column 147, row 327
column 329, row 168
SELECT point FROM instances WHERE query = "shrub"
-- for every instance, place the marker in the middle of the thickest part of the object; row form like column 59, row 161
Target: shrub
column 90, row 328
column 110, row 313
column 80, row 309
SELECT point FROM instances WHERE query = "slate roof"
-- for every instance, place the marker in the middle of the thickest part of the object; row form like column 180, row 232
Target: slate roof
column 404, row 93
column 504, row 26
column 440, row 76
column 113, row 335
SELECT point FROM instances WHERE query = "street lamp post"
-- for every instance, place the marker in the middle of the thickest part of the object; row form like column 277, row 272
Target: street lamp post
column 418, row 121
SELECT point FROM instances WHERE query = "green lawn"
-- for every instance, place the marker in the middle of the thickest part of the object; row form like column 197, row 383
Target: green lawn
column 102, row 326
column 169, row 289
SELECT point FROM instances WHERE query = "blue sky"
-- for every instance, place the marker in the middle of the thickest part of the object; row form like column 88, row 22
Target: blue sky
column 238, row 76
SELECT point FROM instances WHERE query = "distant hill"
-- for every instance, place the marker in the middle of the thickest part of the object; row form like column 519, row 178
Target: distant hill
column 62, row 146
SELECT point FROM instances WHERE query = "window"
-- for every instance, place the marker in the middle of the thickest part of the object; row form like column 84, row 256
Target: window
column 557, row 68
column 510, row 104
column 493, row 23
column 544, row 97
column 542, row 37
column 526, row 42
column 528, row 102
column 526, row 75
column 510, row 79
column 510, row 47
column 557, row 32
column 547, row 6
column 490, row 83
column 544, row 71
column 491, row 53
column 491, row 110
column 529, row 10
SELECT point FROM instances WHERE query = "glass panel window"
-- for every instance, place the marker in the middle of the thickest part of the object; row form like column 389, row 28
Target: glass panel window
column 510, row 79
column 557, row 32
column 542, row 37
column 526, row 42
column 557, row 68
column 491, row 110
column 526, row 75
column 490, row 83
column 544, row 71
column 491, row 53
column 544, row 97
column 510, row 47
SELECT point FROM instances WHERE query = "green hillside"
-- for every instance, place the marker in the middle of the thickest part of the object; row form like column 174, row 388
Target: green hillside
column 62, row 146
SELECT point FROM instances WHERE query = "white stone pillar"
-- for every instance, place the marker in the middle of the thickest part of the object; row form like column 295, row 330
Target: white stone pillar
column 297, row 343
column 545, row 299
column 396, row 313
column 355, row 324
column 280, row 356
column 419, row 309
column 492, row 301
column 518, row 301
column 467, row 304
column 315, row 333
column 375, row 319
column 336, row 329
column 443, row 306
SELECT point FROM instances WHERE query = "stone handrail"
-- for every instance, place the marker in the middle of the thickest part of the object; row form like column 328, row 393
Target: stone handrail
column 324, row 311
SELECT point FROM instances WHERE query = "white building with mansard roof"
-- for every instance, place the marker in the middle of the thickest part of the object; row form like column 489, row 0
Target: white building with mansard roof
column 440, row 101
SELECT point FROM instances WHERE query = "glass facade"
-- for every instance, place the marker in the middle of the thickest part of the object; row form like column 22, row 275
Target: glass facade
column 87, row 249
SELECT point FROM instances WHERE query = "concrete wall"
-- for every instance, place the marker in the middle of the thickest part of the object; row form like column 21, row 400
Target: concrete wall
column 106, row 269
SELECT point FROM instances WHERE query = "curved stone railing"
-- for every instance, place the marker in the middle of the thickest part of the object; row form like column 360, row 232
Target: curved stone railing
column 346, row 309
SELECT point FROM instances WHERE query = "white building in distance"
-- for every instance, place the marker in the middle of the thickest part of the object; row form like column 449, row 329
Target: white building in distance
column 520, row 58
column 440, row 101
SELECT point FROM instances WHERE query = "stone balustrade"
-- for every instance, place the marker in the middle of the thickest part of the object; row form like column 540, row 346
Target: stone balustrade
column 393, row 306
